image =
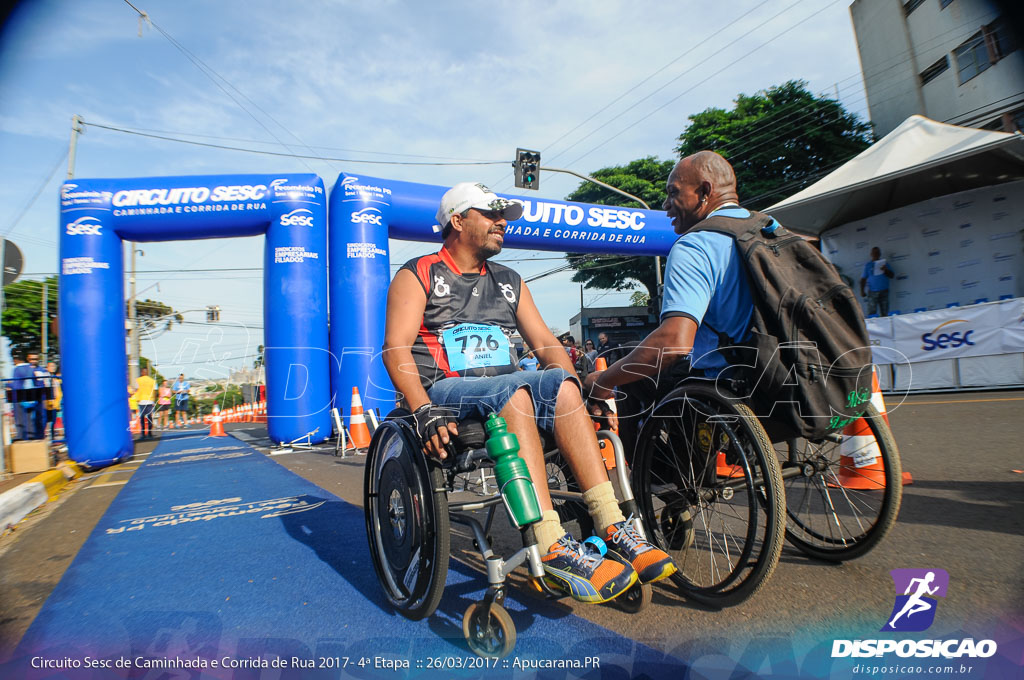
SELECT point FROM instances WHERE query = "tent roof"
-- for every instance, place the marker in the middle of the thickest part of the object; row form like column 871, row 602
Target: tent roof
column 920, row 159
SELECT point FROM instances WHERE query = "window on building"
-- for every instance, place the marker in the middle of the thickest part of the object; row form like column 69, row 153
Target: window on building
column 1000, row 39
column 910, row 5
column 943, row 4
column 932, row 72
column 971, row 57
column 1018, row 119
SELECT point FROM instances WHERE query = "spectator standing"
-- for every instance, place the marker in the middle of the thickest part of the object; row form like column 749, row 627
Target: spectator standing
column 569, row 343
column 53, row 404
column 163, row 403
column 876, row 278
column 146, row 386
column 21, row 380
column 181, row 388
column 590, row 357
column 41, row 380
column 611, row 351
column 528, row 362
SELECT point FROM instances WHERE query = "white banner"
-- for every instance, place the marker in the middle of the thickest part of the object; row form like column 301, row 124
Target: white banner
column 952, row 249
column 977, row 330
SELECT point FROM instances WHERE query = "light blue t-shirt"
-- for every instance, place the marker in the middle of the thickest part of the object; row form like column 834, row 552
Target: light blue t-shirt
column 705, row 281
column 528, row 363
column 876, row 282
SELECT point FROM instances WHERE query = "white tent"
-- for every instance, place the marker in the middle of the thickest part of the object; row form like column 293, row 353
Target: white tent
column 920, row 159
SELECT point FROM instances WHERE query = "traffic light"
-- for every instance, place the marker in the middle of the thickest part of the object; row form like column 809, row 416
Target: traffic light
column 527, row 169
column 212, row 313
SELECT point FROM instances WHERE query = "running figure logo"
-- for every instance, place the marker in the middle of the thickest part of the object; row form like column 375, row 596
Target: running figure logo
column 914, row 609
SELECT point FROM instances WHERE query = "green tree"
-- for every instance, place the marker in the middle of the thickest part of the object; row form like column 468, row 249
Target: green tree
column 644, row 178
column 154, row 317
column 778, row 140
column 23, row 311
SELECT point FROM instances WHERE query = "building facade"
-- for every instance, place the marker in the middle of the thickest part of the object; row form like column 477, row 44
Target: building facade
column 954, row 61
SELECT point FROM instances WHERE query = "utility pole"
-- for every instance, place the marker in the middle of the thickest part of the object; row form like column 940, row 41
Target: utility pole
column 133, row 357
column 76, row 128
column 43, row 326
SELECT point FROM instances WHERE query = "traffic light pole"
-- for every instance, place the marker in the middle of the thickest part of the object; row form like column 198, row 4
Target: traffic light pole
column 609, row 187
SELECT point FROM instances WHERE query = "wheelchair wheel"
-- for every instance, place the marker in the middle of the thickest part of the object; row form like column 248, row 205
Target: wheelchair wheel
column 490, row 634
column 835, row 510
column 709, row 490
column 406, row 511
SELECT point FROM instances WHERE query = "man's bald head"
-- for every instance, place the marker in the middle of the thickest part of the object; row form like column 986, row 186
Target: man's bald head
column 697, row 186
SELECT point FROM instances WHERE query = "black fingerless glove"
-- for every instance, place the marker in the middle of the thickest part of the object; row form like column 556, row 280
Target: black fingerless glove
column 430, row 417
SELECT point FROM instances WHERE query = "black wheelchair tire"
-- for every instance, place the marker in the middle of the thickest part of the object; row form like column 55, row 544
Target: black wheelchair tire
column 759, row 482
column 407, row 525
column 871, row 511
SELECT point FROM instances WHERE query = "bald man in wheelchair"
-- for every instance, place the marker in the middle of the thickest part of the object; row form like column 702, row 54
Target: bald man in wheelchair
column 447, row 348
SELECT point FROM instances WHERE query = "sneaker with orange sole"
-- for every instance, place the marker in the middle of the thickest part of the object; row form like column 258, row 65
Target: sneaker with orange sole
column 651, row 564
column 584, row 575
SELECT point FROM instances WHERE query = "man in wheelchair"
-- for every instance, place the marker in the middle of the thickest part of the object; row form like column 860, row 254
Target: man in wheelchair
column 447, row 349
column 706, row 294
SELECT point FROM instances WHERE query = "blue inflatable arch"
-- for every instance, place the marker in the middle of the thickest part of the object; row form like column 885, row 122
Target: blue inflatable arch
column 365, row 211
column 98, row 214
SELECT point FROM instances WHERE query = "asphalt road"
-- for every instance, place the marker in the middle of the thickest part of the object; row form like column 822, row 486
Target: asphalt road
column 964, row 513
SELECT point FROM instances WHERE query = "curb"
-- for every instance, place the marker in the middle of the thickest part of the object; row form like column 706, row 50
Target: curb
column 17, row 503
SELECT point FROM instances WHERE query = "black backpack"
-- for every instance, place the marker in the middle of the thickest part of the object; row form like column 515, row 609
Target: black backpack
column 806, row 367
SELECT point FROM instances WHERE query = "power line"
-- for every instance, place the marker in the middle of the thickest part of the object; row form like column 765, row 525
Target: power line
column 290, row 155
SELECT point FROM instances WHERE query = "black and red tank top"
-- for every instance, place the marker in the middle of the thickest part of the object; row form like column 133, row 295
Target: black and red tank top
column 469, row 319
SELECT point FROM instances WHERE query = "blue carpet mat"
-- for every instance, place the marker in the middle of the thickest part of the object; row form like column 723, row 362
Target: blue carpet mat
column 214, row 553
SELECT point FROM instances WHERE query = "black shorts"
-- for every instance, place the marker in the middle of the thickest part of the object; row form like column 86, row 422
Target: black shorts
column 181, row 406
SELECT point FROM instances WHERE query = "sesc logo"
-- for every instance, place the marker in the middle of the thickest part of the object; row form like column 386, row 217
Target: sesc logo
column 84, row 226
column 931, row 342
column 296, row 218
column 367, row 216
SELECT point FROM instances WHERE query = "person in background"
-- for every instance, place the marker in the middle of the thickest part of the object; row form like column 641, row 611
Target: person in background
column 569, row 343
column 590, row 357
column 528, row 362
column 163, row 404
column 606, row 349
column 54, row 402
column 144, row 397
column 21, row 379
column 40, row 379
column 181, row 388
column 876, row 278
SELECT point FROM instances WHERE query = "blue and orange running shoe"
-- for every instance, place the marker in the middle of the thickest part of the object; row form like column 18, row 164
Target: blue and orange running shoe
column 651, row 564
column 584, row 575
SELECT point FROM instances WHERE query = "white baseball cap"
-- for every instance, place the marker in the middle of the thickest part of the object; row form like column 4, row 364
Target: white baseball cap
column 466, row 195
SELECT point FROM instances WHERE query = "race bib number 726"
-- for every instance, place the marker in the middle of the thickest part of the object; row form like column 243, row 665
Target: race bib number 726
column 471, row 346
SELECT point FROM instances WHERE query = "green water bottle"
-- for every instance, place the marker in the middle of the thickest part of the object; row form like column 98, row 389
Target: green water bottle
column 511, row 472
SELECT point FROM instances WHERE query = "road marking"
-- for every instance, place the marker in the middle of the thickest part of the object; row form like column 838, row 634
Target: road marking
column 959, row 401
column 96, row 486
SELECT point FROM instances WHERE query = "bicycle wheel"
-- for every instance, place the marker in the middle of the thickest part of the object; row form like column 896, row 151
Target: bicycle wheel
column 407, row 523
column 710, row 494
column 842, row 494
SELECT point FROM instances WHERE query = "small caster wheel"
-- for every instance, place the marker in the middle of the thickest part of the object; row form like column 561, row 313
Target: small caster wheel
column 491, row 635
column 634, row 599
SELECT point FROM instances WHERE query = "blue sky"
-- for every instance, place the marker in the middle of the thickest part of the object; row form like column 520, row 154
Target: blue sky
column 590, row 84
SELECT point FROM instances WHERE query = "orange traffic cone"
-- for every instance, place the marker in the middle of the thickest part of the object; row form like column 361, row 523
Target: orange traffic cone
column 357, row 422
column 217, row 423
column 136, row 426
column 602, row 365
column 860, row 462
